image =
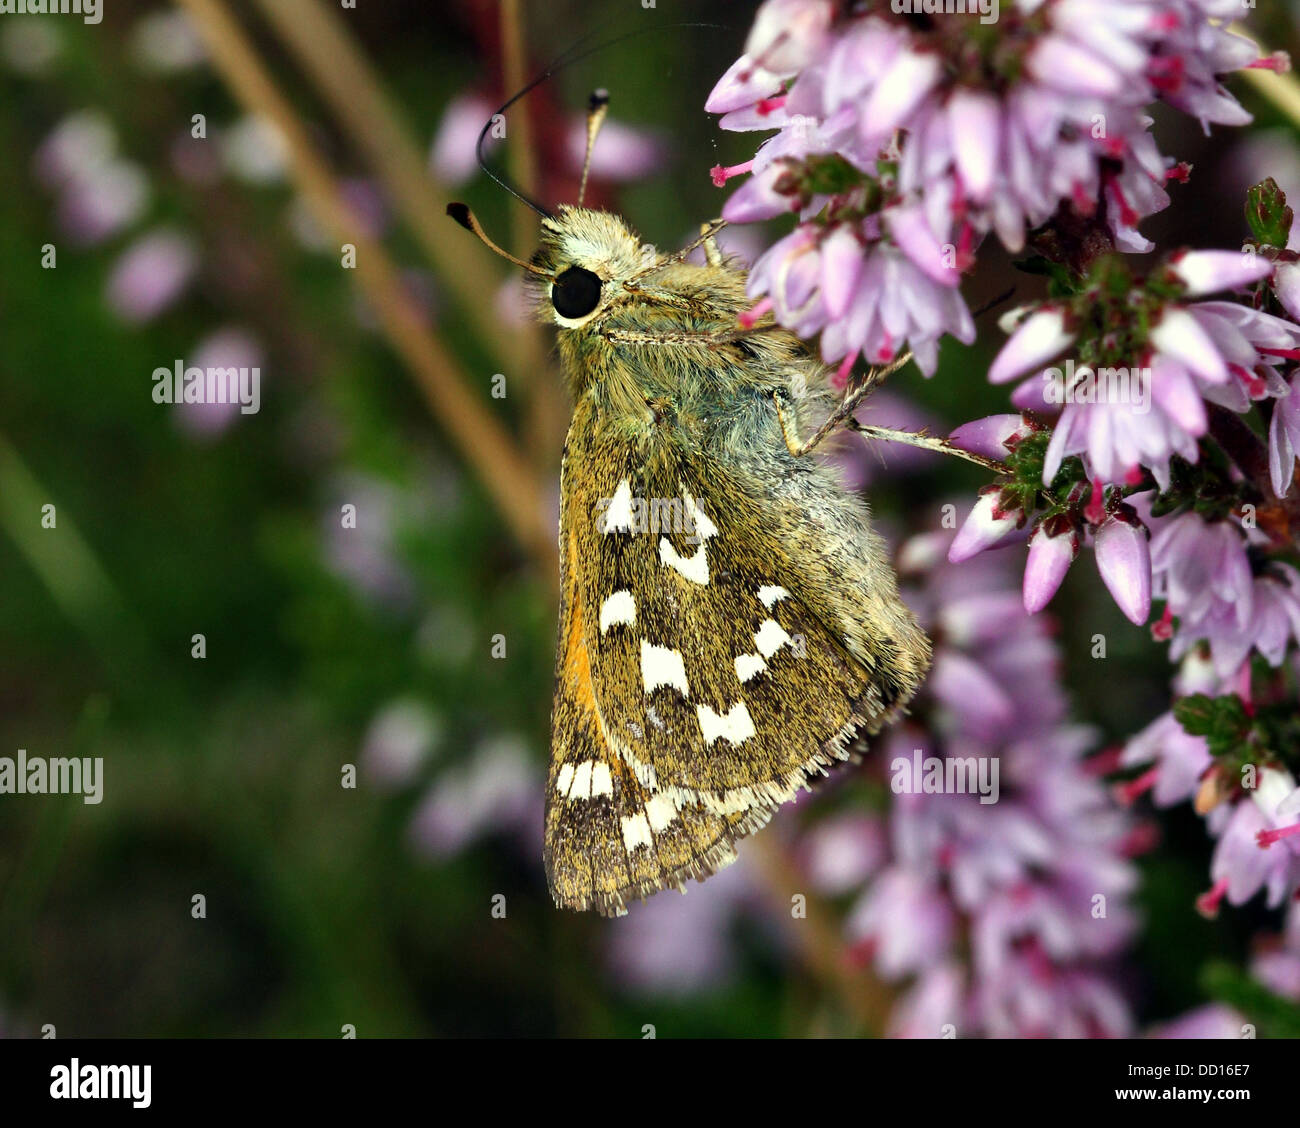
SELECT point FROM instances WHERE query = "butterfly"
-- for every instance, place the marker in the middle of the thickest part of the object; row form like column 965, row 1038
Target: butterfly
column 730, row 626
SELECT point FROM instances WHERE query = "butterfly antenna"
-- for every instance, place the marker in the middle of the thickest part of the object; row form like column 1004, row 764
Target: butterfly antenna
column 566, row 58
column 597, row 108
column 466, row 218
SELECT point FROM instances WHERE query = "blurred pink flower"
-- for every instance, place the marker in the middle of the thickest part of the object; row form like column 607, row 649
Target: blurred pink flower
column 151, row 274
column 228, row 347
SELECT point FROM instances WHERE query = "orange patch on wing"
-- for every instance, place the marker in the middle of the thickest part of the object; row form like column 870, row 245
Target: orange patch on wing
column 577, row 663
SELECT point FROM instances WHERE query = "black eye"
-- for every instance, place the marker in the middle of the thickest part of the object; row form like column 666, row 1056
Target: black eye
column 575, row 293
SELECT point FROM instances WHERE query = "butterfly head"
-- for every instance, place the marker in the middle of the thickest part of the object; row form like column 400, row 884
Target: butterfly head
column 587, row 259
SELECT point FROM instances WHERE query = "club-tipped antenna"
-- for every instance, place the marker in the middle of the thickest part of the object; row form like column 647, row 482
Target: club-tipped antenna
column 597, row 108
column 466, row 218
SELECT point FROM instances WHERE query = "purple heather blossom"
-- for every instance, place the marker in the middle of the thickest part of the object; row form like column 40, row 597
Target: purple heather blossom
column 452, row 156
column 227, row 347
column 497, row 791
column 841, row 852
column 933, row 1003
column 868, row 288
column 1017, row 877
column 989, row 436
column 151, row 274
column 974, row 142
column 1178, row 761
column 904, row 920
column 675, row 945
column 1243, row 864
column 1049, row 559
column 399, row 741
column 625, row 152
column 985, row 527
column 1278, row 966
column 1201, row 569
column 1218, row 351
column 1124, row 561
column 1284, row 438
column 1214, row 1020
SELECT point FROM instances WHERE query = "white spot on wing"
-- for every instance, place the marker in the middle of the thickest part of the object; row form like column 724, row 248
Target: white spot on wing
column 694, row 568
column 618, row 608
column 581, row 788
column 770, row 638
column 660, row 665
column 601, row 782
column 735, row 725
column 636, row 832
column 749, row 666
column 660, row 811
column 771, row 593
column 618, row 517
column 704, row 528
column 565, row 779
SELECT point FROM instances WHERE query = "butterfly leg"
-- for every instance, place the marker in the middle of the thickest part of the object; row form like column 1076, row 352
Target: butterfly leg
column 712, row 255
column 926, row 442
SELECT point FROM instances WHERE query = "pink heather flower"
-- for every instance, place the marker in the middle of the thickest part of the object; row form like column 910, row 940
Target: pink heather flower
column 989, row 436
column 151, row 274
column 1214, row 1020
column 452, row 156
column 1039, row 337
column 95, row 206
column 933, row 1004
column 842, row 852
column 1200, row 567
column 1218, row 351
column 497, row 791
column 867, row 295
column 985, row 527
column 227, row 347
column 399, row 741
column 1208, row 272
column 1278, row 967
column 1242, row 866
column 1273, row 623
column 904, row 920
column 1284, row 438
column 679, row 945
column 624, row 152
column 1124, row 561
column 1286, row 286
column 1009, row 875
column 1049, row 559
column 1179, row 760
column 1000, row 140
column 1203, row 572
column 1031, row 998
column 787, row 34
column 969, row 691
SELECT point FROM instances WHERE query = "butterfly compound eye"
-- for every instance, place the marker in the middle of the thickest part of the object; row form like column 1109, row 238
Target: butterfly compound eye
column 575, row 293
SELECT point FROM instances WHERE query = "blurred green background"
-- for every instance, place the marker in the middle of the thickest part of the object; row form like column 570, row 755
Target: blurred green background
column 326, row 647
